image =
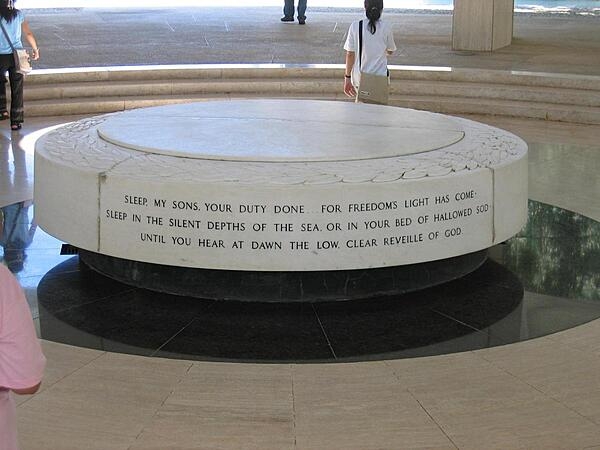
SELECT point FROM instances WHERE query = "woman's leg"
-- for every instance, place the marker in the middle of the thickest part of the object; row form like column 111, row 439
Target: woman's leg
column 5, row 62
column 3, row 86
column 16, row 96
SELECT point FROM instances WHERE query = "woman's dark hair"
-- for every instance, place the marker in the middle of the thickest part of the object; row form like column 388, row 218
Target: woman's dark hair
column 373, row 9
column 7, row 10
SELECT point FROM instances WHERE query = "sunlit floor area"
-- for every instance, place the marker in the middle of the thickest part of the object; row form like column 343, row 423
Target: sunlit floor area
column 86, row 37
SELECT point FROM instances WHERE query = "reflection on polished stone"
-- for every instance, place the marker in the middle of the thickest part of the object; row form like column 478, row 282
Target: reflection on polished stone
column 557, row 253
column 105, row 314
column 486, row 308
column 16, row 176
column 555, row 259
column 16, row 233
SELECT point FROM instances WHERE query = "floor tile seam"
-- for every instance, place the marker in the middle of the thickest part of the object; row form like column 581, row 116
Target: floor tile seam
column 44, row 388
column 108, row 297
column 329, row 344
column 155, row 415
column 585, row 350
column 479, row 331
column 293, row 394
column 547, row 395
column 423, row 408
column 564, row 348
column 566, row 407
column 26, row 398
column 154, row 353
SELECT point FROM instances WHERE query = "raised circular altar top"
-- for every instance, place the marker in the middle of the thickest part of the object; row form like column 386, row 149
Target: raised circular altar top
column 279, row 131
column 352, row 206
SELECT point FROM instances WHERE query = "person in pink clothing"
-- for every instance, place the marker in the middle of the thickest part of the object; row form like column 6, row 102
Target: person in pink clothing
column 21, row 359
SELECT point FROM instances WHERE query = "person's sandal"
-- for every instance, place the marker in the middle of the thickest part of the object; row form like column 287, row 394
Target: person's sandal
column 15, row 126
column 4, row 115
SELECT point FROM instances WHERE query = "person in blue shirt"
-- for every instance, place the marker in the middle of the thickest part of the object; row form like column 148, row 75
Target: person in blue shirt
column 16, row 26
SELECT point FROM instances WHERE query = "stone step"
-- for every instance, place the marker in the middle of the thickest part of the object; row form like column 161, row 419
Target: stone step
column 180, row 87
column 509, row 108
column 99, row 105
column 578, row 97
column 532, row 79
column 317, row 85
column 327, row 71
column 520, row 94
column 447, row 105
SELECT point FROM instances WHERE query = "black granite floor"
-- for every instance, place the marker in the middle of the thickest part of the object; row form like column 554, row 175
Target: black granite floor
column 544, row 280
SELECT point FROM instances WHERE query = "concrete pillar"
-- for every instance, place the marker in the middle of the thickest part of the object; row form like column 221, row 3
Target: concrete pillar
column 482, row 25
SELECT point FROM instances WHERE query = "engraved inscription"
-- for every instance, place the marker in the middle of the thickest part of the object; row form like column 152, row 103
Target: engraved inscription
column 314, row 227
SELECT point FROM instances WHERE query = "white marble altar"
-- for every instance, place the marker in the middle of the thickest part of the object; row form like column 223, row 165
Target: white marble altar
column 280, row 185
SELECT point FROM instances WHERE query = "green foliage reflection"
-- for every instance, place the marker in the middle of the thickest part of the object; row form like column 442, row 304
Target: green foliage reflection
column 557, row 253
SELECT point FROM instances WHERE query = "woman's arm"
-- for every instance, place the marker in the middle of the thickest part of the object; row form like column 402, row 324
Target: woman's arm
column 26, row 31
column 390, row 43
column 348, row 87
column 27, row 391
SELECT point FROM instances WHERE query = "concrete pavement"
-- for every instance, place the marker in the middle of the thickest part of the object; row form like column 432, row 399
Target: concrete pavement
column 85, row 37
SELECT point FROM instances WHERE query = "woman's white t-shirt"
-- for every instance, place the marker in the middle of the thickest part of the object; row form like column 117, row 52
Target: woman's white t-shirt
column 374, row 48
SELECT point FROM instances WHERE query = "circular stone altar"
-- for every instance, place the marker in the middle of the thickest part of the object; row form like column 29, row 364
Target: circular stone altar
column 282, row 186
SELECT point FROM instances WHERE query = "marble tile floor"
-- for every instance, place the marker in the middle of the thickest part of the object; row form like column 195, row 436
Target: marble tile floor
column 541, row 393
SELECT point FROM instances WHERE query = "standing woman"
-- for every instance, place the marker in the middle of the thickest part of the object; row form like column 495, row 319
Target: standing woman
column 378, row 43
column 16, row 26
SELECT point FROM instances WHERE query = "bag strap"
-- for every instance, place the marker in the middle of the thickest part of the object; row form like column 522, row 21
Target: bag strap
column 360, row 23
column 6, row 36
